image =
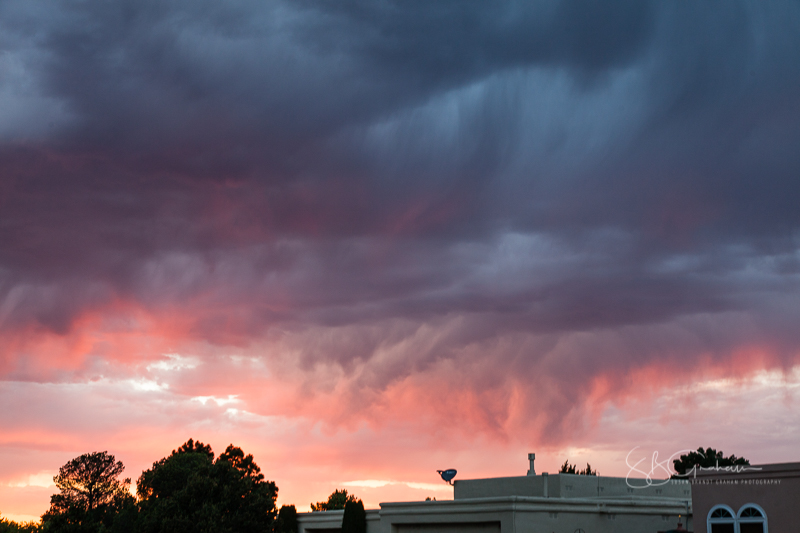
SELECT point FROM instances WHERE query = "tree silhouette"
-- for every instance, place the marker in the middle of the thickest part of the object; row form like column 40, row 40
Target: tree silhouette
column 337, row 500
column 355, row 517
column 190, row 491
column 190, row 446
column 691, row 462
column 567, row 468
column 287, row 519
column 9, row 526
column 90, row 480
column 91, row 493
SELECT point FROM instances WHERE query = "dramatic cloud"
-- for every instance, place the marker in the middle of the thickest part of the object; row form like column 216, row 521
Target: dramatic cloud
column 420, row 233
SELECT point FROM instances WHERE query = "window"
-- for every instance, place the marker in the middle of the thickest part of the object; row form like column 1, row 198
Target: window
column 752, row 519
column 721, row 512
column 750, row 512
column 721, row 520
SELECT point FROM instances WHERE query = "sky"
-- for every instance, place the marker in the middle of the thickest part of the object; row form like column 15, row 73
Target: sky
column 366, row 240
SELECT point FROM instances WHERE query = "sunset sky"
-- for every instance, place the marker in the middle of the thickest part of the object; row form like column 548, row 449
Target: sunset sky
column 366, row 240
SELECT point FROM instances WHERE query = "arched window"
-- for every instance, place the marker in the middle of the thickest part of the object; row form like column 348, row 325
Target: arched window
column 721, row 520
column 752, row 519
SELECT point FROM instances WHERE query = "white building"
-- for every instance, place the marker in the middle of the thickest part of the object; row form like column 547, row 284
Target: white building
column 558, row 503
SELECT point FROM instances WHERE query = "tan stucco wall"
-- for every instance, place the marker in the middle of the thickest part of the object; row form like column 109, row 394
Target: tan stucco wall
column 775, row 488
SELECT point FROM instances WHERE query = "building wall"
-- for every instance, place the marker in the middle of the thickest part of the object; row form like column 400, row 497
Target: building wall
column 603, row 516
column 512, row 514
column 775, row 488
column 489, row 527
column 499, row 486
column 473, row 515
column 570, row 486
column 331, row 521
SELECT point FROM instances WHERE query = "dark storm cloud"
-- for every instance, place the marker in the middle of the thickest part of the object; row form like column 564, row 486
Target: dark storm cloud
column 285, row 70
column 334, row 163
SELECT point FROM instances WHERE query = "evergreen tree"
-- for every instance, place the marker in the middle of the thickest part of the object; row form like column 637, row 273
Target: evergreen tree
column 287, row 519
column 90, row 495
column 191, row 492
column 355, row 518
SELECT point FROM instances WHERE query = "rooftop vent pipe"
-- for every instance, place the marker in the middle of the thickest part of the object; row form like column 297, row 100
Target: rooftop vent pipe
column 531, row 458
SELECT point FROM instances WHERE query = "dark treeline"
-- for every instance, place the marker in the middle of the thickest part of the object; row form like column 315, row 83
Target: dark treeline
column 568, row 468
column 188, row 491
column 9, row 526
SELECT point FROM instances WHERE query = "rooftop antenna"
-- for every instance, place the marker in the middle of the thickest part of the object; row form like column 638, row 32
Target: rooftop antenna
column 448, row 475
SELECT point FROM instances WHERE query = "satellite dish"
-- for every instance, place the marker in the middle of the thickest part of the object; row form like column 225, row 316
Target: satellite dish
column 448, row 475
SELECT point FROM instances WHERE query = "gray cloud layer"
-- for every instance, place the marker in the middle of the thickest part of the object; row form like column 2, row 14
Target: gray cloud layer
column 542, row 169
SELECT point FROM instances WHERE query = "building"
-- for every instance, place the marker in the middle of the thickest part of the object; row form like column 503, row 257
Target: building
column 757, row 499
column 557, row 503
